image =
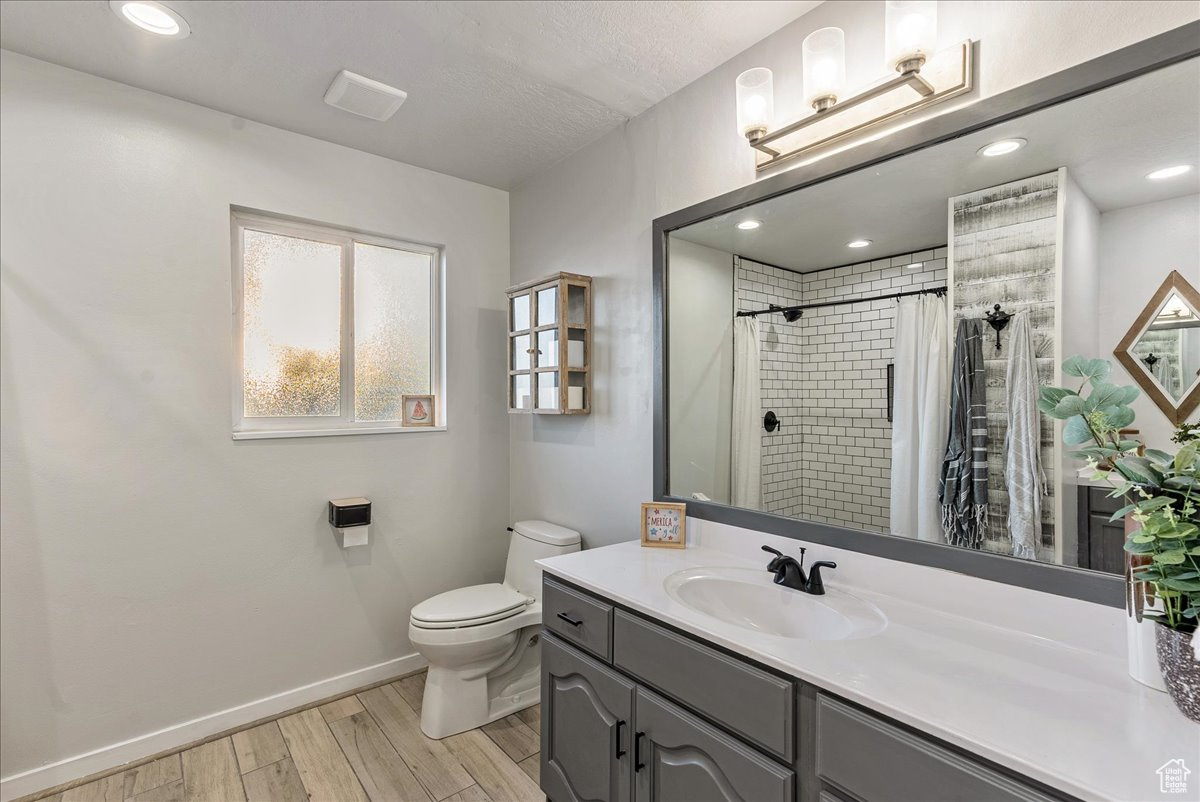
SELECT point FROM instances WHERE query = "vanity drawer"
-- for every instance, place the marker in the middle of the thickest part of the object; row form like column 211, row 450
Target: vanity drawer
column 578, row 619
column 877, row 762
column 748, row 701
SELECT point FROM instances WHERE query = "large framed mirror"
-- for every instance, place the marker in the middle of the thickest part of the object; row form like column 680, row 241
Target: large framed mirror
column 847, row 352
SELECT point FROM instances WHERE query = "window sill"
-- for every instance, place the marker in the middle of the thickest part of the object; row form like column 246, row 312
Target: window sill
column 266, row 434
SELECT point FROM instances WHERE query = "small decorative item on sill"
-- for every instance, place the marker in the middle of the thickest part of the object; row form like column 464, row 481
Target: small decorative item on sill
column 418, row 410
column 663, row 525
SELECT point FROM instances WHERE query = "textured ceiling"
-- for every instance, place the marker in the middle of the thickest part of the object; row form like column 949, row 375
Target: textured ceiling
column 496, row 90
column 1108, row 141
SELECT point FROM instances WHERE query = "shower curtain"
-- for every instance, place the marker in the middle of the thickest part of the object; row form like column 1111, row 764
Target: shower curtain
column 921, row 391
column 746, row 468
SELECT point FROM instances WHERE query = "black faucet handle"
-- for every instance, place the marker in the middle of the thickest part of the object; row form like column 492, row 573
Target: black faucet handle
column 774, row 564
column 814, row 585
column 770, row 550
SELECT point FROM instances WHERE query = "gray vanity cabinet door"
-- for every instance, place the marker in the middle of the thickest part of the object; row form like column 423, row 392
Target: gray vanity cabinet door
column 586, row 734
column 680, row 758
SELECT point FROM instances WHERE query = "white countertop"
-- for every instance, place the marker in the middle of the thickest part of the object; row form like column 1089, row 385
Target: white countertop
column 1066, row 716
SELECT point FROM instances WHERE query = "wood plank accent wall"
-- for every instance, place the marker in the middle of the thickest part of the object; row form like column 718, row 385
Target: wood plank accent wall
column 1005, row 241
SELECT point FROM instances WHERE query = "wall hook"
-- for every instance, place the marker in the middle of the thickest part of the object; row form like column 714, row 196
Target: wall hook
column 998, row 319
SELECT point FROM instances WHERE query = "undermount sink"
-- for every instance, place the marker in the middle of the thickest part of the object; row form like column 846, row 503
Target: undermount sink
column 749, row 599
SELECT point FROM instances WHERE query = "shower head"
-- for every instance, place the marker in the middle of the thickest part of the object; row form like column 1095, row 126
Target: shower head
column 790, row 313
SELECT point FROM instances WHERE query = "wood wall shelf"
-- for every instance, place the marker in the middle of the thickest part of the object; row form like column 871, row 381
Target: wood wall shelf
column 550, row 345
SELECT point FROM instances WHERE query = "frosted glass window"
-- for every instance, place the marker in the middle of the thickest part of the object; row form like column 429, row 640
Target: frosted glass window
column 391, row 329
column 292, row 326
column 334, row 329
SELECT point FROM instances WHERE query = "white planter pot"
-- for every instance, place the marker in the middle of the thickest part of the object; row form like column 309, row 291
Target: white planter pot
column 1143, row 660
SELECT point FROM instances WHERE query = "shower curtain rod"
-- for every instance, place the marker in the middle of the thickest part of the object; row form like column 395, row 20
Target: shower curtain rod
column 801, row 307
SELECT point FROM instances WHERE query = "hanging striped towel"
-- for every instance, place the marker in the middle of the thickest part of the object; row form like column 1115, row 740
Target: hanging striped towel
column 963, row 490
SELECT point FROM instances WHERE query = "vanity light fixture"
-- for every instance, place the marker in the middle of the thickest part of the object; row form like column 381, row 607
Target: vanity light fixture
column 858, row 243
column 1169, row 172
column 755, row 102
column 824, row 54
column 151, row 16
column 923, row 77
column 1002, row 147
column 749, row 225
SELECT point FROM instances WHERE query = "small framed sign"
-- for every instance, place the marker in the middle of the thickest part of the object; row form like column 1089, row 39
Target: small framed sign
column 417, row 410
column 663, row 525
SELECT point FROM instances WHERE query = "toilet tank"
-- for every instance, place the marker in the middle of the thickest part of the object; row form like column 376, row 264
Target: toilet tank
column 535, row 540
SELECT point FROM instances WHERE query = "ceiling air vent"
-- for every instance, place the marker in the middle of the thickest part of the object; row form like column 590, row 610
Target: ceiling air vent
column 362, row 96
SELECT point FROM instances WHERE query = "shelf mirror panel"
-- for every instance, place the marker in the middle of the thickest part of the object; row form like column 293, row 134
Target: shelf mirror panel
column 906, row 315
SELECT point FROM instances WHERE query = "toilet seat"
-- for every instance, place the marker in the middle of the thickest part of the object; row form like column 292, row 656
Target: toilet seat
column 468, row 607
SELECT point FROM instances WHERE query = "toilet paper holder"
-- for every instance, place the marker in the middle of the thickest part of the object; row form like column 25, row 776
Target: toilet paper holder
column 350, row 516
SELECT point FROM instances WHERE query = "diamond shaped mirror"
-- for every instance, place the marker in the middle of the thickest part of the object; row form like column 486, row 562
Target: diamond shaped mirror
column 1161, row 351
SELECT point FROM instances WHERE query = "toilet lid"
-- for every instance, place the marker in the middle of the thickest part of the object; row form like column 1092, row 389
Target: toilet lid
column 478, row 604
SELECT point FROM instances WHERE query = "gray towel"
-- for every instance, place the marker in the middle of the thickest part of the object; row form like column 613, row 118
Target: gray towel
column 964, row 487
column 1022, row 442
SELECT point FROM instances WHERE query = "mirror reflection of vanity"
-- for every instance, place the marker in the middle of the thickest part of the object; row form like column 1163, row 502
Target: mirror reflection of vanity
column 853, row 360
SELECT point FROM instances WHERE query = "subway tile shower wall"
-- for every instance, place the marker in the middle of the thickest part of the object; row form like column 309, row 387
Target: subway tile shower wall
column 825, row 376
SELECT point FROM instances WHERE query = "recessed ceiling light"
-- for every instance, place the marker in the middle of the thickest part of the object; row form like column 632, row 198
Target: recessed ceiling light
column 1169, row 172
column 150, row 16
column 749, row 225
column 858, row 243
column 914, row 265
column 1002, row 147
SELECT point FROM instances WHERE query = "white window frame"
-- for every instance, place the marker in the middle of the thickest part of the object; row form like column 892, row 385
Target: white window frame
column 254, row 428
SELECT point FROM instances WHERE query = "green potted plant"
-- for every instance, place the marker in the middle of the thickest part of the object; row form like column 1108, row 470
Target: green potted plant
column 1163, row 493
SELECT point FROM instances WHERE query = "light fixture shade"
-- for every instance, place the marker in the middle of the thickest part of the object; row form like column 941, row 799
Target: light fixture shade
column 910, row 32
column 755, row 102
column 824, row 53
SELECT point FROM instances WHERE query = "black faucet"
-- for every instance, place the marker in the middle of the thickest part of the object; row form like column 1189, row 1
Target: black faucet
column 790, row 573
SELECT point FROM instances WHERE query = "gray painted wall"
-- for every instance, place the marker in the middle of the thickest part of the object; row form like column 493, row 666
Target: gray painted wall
column 1139, row 247
column 701, row 310
column 154, row 570
column 592, row 213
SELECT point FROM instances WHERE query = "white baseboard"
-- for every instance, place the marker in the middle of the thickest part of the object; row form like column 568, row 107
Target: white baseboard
column 113, row 756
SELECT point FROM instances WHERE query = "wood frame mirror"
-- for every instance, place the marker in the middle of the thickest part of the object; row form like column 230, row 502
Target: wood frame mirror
column 1176, row 411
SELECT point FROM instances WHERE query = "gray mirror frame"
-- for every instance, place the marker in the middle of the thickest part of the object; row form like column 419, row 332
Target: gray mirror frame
column 1113, row 68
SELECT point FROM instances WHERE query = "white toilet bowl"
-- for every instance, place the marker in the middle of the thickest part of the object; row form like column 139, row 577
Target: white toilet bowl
column 481, row 641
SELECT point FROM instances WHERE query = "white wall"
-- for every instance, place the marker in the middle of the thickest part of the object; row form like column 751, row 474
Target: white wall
column 592, row 213
column 153, row 569
column 701, row 310
column 1139, row 247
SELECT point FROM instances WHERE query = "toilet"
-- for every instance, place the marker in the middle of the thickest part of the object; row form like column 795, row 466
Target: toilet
column 482, row 641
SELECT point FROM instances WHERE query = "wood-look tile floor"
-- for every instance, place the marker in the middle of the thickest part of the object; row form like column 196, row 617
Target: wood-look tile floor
column 368, row 746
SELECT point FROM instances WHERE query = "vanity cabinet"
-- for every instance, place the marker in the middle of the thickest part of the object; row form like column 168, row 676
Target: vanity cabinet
column 677, row 757
column 633, row 711
column 1101, row 541
column 550, row 345
column 586, row 711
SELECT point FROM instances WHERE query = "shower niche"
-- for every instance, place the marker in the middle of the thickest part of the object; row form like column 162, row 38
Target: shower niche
column 901, row 346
